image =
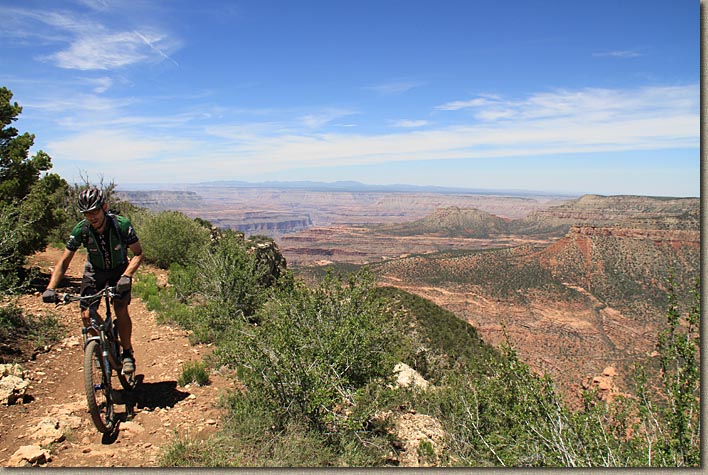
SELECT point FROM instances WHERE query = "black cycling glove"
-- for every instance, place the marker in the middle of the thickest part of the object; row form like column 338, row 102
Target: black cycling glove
column 124, row 284
column 49, row 296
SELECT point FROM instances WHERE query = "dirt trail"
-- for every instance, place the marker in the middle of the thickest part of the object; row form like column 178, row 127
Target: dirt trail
column 163, row 411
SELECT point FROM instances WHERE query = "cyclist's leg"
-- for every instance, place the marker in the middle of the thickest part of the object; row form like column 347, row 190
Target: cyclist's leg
column 125, row 325
column 89, row 286
column 120, row 305
column 125, row 330
column 124, row 322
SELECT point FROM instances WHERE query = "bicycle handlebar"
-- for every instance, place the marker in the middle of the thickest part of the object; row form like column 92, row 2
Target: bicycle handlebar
column 63, row 299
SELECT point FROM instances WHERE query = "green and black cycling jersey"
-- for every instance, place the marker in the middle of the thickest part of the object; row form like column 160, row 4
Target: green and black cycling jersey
column 108, row 250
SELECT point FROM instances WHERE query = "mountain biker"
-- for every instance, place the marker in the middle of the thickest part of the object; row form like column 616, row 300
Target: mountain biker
column 107, row 238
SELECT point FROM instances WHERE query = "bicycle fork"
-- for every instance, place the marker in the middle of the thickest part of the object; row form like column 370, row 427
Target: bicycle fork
column 106, row 364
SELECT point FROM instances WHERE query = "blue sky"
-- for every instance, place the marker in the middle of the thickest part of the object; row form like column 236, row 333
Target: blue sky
column 563, row 96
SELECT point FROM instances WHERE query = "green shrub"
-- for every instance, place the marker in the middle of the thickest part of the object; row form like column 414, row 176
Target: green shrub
column 186, row 452
column 194, row 372
column 227, row 284
column 672, row 421
column 36, row 331
column 12, row 258
column 185, row 281
column 145, row 287
column 315, row 348
column 444, row 340
column 171, row 237
column 12, row 322
column 229, row 274
column 255, row 437
column 513, row 404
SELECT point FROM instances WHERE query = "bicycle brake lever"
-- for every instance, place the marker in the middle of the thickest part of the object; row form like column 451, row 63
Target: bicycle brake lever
column 61, row 300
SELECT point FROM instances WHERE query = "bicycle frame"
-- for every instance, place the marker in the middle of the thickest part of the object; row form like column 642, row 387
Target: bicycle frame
column 101, row 348
column 104, row 330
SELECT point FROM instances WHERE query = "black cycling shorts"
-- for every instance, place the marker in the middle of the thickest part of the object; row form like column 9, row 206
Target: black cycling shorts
column 95, row 280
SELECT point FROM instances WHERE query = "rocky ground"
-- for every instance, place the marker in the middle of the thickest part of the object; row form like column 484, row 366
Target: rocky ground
column 50, row 424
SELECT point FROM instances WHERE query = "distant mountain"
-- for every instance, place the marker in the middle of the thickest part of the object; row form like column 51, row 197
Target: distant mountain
column 642, row 212
column 627, row 211
column 594, row 298
column 355, row 186
column 160, row 200
column 451, row 222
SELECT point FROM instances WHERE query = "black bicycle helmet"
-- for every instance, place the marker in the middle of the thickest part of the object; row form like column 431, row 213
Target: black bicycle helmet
column 91, row 199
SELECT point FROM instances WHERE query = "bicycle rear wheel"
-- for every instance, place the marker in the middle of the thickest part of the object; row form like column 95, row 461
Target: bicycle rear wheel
column 98, row 389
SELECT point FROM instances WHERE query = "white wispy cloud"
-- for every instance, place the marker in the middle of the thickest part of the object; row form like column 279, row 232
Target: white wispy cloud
column 124, row 146
column 76, row 105
column 100, row 85
column 125, row 155
column 590, row 104
column 547, row 123
column 100, row 5
column 395, row 87
column 112, row 50
column 482, row 101
column 409, row 124
column 154, row 42
column 618, row 54
column 84, row 43
column 320, row 118
column 101, row 51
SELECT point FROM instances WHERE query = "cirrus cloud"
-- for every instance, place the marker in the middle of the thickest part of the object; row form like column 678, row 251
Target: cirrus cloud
column 584, row 121
column 85, row 43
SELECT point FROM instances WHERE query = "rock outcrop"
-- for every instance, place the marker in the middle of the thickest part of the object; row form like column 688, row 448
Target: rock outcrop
column 14, row 382
column 29, row 456
column 450, row 222
column 271, row 224
column 604, row 385
column 422, row 440
column 162, row 200
column 407, row 377
column 623, row 211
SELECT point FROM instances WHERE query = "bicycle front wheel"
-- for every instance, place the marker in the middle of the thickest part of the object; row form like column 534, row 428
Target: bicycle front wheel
column 98, row 388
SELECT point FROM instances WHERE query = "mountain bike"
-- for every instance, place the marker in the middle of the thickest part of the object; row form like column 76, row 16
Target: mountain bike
column 101, row 360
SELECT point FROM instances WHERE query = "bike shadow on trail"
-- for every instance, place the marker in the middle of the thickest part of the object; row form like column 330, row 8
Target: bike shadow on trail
column 151, row 396
column 145, row 396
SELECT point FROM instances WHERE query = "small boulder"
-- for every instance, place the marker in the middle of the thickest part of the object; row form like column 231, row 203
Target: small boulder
column 409, row 378
column 48, row 432
column 132, row 427
column 12, row 388
column 422, row 438
column 29, row 456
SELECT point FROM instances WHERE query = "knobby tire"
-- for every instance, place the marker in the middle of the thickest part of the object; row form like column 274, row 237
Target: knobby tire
column 98, row 389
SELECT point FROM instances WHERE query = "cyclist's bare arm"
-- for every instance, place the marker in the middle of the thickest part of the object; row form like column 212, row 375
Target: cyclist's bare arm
column 60, row 268
column 135, row 260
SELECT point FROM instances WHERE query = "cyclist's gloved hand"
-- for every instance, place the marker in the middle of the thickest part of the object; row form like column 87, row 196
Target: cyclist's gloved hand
column 49, row 296
column 123, row 284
